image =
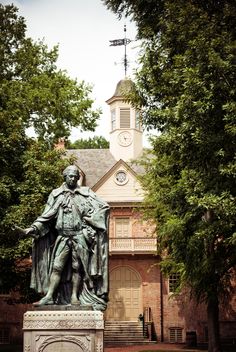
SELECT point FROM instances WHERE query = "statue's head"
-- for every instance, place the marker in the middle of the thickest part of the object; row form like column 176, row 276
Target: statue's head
column 71, row 175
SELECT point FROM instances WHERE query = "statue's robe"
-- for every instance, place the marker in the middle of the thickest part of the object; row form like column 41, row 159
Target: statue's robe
column 90, row 215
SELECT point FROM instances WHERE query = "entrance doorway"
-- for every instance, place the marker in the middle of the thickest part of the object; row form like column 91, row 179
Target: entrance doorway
column 125, row 295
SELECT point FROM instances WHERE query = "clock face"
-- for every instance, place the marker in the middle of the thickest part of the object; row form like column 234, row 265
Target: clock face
column 124, row 138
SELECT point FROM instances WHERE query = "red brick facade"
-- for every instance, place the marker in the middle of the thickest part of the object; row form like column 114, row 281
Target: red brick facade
column 173, row 317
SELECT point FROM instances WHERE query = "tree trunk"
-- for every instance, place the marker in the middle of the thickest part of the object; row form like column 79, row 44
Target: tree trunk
column 213, row 325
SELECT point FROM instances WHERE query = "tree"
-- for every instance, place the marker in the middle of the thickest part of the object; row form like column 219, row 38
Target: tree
column 33, row 93
column 97, row 142
column 32, row 86
column 186, row 86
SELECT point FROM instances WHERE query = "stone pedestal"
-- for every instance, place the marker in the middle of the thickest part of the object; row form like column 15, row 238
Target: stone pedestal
column 63, row 331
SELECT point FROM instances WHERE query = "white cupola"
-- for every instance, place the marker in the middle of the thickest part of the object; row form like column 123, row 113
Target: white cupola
column 126, row 131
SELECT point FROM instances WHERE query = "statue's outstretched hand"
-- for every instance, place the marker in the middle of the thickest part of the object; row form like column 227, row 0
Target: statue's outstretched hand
column 30, row 231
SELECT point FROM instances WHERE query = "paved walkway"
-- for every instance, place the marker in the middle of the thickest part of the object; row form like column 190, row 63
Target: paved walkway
column 152, row 347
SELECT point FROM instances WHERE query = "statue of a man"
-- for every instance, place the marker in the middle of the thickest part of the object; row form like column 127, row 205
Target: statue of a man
column 70, row 247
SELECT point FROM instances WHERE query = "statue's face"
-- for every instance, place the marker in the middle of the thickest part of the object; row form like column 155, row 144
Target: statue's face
column 71, row 179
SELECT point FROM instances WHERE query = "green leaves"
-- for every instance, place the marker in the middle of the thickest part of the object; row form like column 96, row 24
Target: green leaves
column 97, row 142
column 186, row 86
column 33, row 93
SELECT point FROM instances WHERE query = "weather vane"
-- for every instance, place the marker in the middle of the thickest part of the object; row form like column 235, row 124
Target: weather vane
column 125, row 41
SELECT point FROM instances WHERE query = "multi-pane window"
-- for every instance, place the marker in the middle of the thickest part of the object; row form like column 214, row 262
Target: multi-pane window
column 173, row 282
column 124, row 118
column 122, row 227
column 176, row 335
column 113, row 119
column 4, row 335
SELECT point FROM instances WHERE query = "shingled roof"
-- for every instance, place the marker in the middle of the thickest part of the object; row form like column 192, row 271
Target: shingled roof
column 95, row 163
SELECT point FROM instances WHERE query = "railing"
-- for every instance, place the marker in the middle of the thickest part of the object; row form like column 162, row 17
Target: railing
column 132, row 244
column 148, row 327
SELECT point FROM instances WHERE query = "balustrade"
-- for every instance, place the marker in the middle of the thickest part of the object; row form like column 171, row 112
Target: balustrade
column 132, row 244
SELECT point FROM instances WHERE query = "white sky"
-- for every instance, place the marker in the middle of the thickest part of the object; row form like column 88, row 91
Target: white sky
column 83, row 28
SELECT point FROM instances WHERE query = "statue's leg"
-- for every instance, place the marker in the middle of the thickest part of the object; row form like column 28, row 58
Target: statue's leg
column 58, row 265
column 85, row 264
column 76, row 267
column 75, row 287
column 54, row 282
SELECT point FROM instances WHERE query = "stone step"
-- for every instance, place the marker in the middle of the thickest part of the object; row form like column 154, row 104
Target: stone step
column 120, row 329
column 126, row 333
column 123, row 333
column 108, row 323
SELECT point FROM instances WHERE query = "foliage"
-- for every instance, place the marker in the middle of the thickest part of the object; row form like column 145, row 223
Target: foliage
column 97, row 142
column 33, row 90
column 186, row 85
column 33, row 93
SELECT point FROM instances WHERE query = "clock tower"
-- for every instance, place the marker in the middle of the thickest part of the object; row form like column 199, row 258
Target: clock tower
column 126, row 130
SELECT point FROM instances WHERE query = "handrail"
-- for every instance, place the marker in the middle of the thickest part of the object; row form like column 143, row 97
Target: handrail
column 118, row 244
column 148, row 322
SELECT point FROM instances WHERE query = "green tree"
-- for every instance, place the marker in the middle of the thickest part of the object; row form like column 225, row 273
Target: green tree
column 33, row 93
column 97, row 142
column 186, row 84
column 33, row 90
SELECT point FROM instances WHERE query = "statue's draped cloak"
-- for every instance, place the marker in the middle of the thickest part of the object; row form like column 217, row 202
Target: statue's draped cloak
column 91, row 225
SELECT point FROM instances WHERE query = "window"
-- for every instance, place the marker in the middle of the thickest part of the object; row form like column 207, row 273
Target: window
column 176, row 335
column 124, row 118
column 137, row 120
column 122, row 227
column 113, row 120
column 4, row 335
column 173, row 282
column 121, row 177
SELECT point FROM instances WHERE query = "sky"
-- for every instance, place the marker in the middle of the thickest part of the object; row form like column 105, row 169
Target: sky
column 83, row 29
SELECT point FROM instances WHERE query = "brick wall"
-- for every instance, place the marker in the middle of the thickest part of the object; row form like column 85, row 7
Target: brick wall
column 11, row 317
column 150, row 275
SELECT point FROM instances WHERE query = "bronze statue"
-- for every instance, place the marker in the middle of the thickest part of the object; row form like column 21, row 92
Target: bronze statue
column 70, row 246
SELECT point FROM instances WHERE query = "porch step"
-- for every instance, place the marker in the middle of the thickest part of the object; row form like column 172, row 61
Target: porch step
column 118, row 333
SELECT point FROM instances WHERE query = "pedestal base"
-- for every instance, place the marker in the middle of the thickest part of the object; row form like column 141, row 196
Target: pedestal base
column 63, row 331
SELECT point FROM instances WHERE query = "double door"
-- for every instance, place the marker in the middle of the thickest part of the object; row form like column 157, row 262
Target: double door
column 125, row 295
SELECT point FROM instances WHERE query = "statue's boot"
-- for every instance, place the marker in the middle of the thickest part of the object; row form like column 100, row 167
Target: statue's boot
column 44, row 301
column 54, row 281
column 75, row 301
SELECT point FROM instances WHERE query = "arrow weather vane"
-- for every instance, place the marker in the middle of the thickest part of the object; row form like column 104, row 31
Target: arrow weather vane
column 125, row 41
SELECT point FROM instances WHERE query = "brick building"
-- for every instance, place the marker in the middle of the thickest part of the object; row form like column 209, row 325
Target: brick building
column 137, row 287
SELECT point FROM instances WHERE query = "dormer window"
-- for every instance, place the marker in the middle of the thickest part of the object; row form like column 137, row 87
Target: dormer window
column 124, row 118
column 113, row 119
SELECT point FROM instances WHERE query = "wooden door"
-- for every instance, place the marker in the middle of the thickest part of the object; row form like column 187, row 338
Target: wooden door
column 125, row 295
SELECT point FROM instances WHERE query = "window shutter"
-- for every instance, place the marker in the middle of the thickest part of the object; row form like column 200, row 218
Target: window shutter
column 176, row 335
column 124, row 118
column 122, row 227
